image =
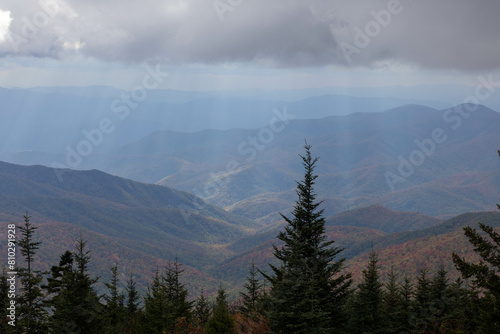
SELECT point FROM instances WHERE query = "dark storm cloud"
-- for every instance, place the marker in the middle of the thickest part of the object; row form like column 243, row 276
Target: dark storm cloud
column 457, row 34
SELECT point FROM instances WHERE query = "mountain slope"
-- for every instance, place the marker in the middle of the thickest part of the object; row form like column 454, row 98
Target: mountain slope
column 380, row 218
column 389, row 158
column 430, row 248
column 407, row 251
column 364, row 160
column 120, row 208
column 350, row 230
column 235, row 268
column 139, row 258
column 451, row 225
column 375, row 217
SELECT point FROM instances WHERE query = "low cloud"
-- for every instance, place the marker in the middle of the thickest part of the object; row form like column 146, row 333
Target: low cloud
column 456, row 34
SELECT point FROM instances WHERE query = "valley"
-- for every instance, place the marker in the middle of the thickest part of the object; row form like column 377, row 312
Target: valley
column 249, row 167
column 142, row 226
column 402, row 182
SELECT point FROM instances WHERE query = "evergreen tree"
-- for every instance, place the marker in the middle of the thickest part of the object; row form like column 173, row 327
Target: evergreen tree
column 252, row 297
column 406, row 305
column 484, row 275
column 440, row 284
column 460, row 312
column 57, row 274
column 155, row 305
column 115, row 309
column 166, row 301
column 89, row 307
column 4, row 301
column 253, row 309
column 423, row 289
column 221, row 321
column 178, row 305
column 394, row 304
column 265, row 299
column 202, row 310
column 308, row 292
column 368, row 314
column 4, row 304
column 421, row 316
column 133, row 298
column 75, row 305
column 31, row 314
column 440, row 299
column 133, row 311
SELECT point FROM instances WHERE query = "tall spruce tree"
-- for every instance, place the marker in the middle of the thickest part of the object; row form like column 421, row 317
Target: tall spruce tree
column 31, row 314
column 251, row 298
column 308, row 291
column 422, row 310
column 394, row 304
column 407, row 293
column 133, row 298
column 5, row 328
column 178, row 305
column 75, row 306
column 202, row 310
column 155, row 302
column 115, row 308
column 460, row 313
column 484, row 275
column 439, row 285
column 221, row 321
column 59, row 277
column 368, row 314
column 440, row 299
column 132, row 308
column 166, row 300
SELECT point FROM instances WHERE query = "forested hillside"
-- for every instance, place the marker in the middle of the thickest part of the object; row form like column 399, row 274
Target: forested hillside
column 374, row 268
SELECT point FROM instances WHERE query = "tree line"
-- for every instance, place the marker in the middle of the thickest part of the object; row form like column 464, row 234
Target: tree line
column 308, row 292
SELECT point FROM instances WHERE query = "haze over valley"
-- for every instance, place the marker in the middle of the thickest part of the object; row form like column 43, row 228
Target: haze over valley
column 232, row 166
column 213, row 197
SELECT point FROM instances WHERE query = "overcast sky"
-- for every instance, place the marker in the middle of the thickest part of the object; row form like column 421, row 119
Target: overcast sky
column 206, row 44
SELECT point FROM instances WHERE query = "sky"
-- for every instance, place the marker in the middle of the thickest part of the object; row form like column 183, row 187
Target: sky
column 249, row 44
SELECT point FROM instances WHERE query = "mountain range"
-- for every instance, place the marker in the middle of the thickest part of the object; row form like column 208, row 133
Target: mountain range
column 142, row 226
column 391, row 158
column 67, row 112
column 204, row 178
column 368, row 156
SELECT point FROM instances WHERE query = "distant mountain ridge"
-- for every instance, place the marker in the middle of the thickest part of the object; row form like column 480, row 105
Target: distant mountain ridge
column 364, row 160
column 66, row 112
